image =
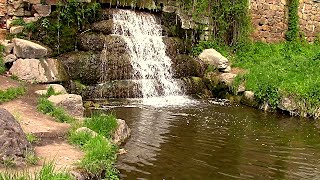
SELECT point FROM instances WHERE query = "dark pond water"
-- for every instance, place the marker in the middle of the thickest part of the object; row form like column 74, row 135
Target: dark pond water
column 209, row 141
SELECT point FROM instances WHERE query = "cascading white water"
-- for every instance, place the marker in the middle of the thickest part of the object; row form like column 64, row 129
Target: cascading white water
column 151, row 65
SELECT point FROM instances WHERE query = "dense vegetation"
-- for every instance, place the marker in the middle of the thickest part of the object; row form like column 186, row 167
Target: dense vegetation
column 11, row 93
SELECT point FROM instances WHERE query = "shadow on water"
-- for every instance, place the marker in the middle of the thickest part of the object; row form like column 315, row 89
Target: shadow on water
column 209, row 141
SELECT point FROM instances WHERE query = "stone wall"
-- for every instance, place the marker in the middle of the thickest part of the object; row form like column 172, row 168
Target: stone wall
column 269, row 20
column 309, row 14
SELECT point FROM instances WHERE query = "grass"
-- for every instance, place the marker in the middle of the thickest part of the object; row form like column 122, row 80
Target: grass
column 11, row 94
column 47, row 172
column 31, row 157
column 100, row 156
column 283, row 69
column 102, row 124
column 47, row 107
column 100, row 153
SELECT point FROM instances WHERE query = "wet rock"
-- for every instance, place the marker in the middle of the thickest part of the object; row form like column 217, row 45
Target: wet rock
column 10, row 58
column 91, row 41
column 83, row 66
column 27, row 49
column 194, row 85
column 13, row 142
column 105, row 26
column 214, row 58
column 288, row 104
column 184, row 66
column 71, row 103
column 113, row 89
column 122, row 132
column 16, row 29
column 41, row 71
column 249, row 99
column 174, row 46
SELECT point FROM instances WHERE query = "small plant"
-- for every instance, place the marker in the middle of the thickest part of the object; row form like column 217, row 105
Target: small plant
column 32, row 138
column 31, row 158
column 18, row 22
column 2, row 65
column 9, row 162
column 11, row 93
column 102, row 124
column 14, row 77
column 47, row 107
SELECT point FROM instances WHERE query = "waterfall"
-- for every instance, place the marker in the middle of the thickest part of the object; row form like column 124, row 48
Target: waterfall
column 151, row 66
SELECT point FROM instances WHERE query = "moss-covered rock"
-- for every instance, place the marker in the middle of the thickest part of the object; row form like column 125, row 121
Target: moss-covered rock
column 83, row 66
column 185, row 65
column 104, row 26
column 91, row 41
column 195, row 86
column 174, row 46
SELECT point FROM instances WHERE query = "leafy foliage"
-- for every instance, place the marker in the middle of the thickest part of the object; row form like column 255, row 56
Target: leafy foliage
column 293, row 20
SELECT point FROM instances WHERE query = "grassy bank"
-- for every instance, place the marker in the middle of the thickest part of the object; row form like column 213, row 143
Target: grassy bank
column 287, row 69
column 100, row 152
column 284, row 69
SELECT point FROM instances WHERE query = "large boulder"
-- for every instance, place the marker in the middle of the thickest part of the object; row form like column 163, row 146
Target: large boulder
column 215, row 59
column 105, row 26
column 288, row 104
column 71, row 103
column 13, row 142
column 194, row 85
column 27, row 49
column 92, row 41
column 41, row 71
column 249, row 99
column 121, row 133
column 59, row 89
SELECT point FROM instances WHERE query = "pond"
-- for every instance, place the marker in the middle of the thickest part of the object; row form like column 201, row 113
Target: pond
column 214, row 140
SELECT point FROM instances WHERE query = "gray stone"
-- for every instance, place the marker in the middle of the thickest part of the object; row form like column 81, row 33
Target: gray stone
column 227, row 78
column 27, row 49
column 122, row 132
column 288, row 104
column 226, row 70
column 39, row 71
column 16, row 29
column 10, row 58
column 71, row 103
column 214, row 58
column 169, row 9
column 13, row 142
column 41, row 92
column 57, row 88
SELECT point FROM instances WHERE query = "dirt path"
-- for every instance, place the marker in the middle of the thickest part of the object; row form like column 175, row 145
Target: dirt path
column 53, row 145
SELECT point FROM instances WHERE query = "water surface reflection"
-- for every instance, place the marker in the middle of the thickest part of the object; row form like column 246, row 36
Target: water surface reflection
column 210, row 141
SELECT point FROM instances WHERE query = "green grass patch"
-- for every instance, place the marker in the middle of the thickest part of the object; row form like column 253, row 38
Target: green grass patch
column 282, row 69
column 47, row 172
column 101, row 123
column 47, row 107
column 32, row 138
column 100, row 156
column 11, row 94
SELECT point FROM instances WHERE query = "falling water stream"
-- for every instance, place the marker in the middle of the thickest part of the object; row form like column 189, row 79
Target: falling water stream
column 152, row 67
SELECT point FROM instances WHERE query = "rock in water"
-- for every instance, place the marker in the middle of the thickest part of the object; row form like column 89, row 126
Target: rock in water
column 72, row 103
column 122, row 132
column 13, row 142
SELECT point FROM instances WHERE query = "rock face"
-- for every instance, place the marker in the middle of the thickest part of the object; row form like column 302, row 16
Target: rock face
column 10, row 58
column 42, row 71
column 27, row 49
column 13, row 142
column 72, row 103
column 105, row 26
column 122, row 132
column 184, row 66
column 249, row 99
column 56, row 87
column 288, row 104
column 214, row 58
